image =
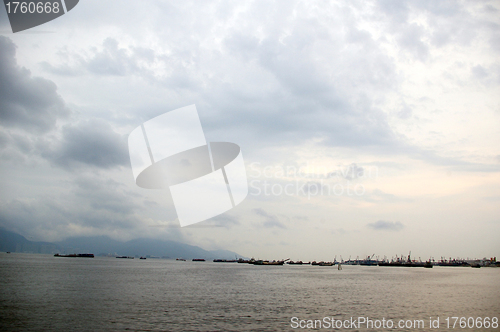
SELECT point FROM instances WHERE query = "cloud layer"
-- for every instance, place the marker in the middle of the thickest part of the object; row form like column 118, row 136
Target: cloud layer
column 395, row 98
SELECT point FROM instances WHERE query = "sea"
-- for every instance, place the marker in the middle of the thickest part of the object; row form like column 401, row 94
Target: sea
column 46, row 293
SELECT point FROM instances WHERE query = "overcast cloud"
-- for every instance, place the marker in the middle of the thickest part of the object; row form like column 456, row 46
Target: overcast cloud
column 396, row 99
column 30, row 103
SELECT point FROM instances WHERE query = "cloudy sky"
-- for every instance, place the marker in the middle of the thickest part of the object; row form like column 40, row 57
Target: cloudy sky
column 366, row 127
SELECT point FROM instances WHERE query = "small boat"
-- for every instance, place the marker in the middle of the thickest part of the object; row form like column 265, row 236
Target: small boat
column 142, row 257
column 198, row 259
column 323, row 263
column 180, row 259
column 326, row 264
column 129, row 257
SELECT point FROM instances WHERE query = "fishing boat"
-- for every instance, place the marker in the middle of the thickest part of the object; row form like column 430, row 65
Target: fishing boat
column 326, row 264
column 198, row 259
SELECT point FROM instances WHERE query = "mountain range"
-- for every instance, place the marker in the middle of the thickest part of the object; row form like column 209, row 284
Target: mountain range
column 104, row 245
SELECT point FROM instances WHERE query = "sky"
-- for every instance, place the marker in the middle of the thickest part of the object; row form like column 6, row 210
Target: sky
column 366, row 127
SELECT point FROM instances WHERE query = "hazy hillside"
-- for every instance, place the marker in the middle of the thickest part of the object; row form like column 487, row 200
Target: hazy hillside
column 10, row 241
column 103, row 245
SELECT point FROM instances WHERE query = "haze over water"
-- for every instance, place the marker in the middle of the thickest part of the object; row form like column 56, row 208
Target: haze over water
column 42, row 292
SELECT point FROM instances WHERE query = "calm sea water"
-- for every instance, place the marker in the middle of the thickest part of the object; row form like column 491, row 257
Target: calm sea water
column 46, row 293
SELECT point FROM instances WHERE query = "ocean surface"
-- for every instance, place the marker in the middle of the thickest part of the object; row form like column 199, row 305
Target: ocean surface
column 46, row 293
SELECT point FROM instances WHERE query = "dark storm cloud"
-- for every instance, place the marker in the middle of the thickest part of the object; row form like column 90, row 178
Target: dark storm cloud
column 26, row 102
column 49, row 217
column 30, row 105
column 92, row 202
column 34, row 216
column 92, row 142
column 383, row 225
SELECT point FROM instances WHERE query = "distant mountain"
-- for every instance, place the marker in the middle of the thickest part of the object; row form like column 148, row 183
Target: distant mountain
column 10, row 241
column 91, row 244
column 103, row 245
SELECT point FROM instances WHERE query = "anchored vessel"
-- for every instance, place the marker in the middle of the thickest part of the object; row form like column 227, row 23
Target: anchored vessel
column 262, row 262
column 76, row 255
